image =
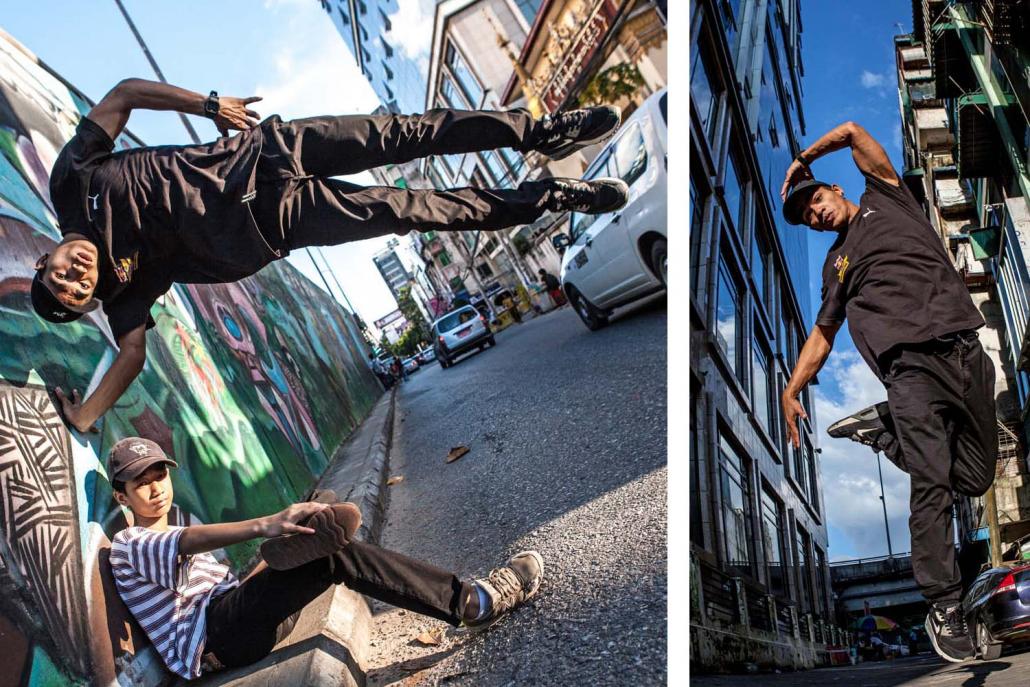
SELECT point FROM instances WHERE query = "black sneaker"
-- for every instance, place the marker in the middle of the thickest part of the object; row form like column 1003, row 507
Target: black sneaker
column 563, row 133
column 510, row 586
column 593, row 197
column 946, row 626
column 874, row 427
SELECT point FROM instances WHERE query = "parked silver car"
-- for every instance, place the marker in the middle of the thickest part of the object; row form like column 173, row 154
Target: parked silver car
column 458, row 332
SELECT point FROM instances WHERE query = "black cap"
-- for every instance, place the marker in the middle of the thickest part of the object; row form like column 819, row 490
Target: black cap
column 47, row 305
column 131, row 456
column 794, row 206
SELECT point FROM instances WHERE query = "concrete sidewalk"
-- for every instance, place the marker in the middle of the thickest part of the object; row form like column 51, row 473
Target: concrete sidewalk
column 329, row 643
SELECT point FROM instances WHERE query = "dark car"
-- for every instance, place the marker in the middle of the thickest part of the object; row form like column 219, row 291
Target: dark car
column 997, row 609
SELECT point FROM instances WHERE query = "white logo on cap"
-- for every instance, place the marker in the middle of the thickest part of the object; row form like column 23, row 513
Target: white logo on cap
column 139, row 449
column 60, row 314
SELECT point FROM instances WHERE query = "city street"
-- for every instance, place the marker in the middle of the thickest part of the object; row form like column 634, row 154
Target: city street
column 917, row 671
column 567, row 431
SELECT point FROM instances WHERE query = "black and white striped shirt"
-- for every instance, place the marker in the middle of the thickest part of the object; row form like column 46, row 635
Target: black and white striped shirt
column 168, row 593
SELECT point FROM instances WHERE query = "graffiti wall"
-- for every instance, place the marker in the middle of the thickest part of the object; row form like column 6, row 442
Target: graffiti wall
column 249, row 386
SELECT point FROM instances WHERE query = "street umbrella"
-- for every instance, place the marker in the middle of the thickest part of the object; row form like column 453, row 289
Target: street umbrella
column 869, row 623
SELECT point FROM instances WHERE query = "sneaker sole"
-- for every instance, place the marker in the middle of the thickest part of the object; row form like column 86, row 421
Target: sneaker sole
column 334, row 527
column 937, row 648
column 570, row 148
column 860, row 420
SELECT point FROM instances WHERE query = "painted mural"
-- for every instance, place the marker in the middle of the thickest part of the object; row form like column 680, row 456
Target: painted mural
column 249, row 386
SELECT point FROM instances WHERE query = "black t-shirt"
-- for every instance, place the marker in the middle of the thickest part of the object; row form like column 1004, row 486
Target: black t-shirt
column 551, row 282
column 890, row 276
column 162, row 214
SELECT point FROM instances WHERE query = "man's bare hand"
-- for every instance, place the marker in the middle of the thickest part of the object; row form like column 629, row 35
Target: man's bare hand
column 233, row 113
column 791, row 411
column 285, row 521
column 796, row 173
column 71, row 409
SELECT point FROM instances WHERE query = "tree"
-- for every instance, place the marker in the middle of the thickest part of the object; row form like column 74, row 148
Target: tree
column 406, row 304
column 611, row 85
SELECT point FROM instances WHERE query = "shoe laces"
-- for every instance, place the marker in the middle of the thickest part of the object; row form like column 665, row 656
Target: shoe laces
column 508, row 588
column 952, row 620
column 562, row 125
column 569, row 196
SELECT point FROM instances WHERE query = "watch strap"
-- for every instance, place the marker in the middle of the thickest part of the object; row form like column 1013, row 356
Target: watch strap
column 211, row 104
column 803, row 160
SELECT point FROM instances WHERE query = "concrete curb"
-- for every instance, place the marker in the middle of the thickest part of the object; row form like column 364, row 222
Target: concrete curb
column 329, row 643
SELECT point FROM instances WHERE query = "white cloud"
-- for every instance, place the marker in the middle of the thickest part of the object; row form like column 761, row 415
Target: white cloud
column 871, row 80
column 851, row 487
column 412, row 30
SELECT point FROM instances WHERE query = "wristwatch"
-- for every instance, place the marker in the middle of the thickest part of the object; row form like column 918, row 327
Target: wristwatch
column 803, row 160
column 211, row 105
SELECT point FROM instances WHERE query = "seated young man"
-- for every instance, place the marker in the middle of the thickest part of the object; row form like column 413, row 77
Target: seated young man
column 200, row 617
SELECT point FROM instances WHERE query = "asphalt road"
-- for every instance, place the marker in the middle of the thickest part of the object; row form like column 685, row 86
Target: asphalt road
column 567, row 431
column 925, row 670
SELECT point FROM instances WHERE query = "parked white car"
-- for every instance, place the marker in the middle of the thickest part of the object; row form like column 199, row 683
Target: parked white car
column 619, row 257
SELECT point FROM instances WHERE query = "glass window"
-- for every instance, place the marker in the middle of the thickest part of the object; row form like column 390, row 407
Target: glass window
column 579, row 223
column 513, row 161
column 732, row 194
column 343, row 16
column 444, row 258
column 696, row 525
column 630, row 155
column 695, row 212
column 704, row 97
column 496, row 170
column 736, row 511
column 760, row 388
column 759, row 258
column 801, row 462
column 813, row 476
column 772, row 541
column 820, row 578
column 450, row 93
column 804, row 570
column 728, row 317
column 469, row 85
column 663, row 105
column 529, row 8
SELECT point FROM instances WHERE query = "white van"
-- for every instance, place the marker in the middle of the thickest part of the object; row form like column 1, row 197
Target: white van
column 619, row 257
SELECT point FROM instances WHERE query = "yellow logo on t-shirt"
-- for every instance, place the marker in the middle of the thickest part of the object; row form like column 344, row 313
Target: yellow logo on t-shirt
column 841, row 265
column 125, row 267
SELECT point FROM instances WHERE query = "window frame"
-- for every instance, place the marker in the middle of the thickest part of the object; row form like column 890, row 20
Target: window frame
column 725, row 441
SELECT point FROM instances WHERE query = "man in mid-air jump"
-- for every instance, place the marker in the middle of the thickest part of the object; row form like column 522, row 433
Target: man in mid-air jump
column 136, row 221
column 913, row 322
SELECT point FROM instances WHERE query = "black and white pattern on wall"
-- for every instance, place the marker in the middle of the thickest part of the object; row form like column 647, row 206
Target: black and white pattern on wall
column 41, row 573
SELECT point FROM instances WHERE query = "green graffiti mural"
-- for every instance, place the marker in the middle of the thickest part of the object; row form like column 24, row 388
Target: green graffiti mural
column 249, row 386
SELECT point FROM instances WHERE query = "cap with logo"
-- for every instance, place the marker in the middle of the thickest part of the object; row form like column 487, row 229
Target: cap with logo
column 131, row 456
column 47, row 305
column 794, row 205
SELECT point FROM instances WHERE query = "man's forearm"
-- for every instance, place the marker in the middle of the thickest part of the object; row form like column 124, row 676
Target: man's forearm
column 153, row 95
column 204, row 538
column 811, row 359
column 836, row 138
column 125, row 368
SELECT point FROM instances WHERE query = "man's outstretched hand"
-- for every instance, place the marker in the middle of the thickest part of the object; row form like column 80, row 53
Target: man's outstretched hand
column 233, row 113
column 71, row 409
column 791, row 410
column 796, row 173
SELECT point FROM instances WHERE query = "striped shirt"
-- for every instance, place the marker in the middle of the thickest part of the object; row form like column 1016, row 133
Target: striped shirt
column 168, row 593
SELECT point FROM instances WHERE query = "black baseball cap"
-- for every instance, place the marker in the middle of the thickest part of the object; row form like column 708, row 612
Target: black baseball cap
column 131, row 456
column 52, row 309
column 794, row 206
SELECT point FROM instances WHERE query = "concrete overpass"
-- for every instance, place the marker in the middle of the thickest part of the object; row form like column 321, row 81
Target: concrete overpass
column 885, row 583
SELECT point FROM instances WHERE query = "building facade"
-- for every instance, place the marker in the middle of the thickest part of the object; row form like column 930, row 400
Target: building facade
column 964, row 91
column 759, row 579
column 390, row 267
column 366, row 27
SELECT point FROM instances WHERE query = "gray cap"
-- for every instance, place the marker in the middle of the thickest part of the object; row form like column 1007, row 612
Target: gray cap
column 794, row 206
column 131, row 456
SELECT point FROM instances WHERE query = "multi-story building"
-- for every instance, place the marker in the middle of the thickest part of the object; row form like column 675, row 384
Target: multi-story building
column 759, row 580
column 393, row 271
column 366, row 27
column 964, row 88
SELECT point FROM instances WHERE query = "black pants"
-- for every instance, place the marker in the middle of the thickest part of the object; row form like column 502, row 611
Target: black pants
column 242, row 623
column 941, row 398
column 309, row 208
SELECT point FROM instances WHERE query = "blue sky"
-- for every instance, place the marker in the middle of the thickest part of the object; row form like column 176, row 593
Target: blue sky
column 284, row 50
column 848, row 53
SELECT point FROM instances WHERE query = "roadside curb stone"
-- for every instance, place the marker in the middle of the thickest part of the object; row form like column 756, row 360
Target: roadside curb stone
column 329, row 644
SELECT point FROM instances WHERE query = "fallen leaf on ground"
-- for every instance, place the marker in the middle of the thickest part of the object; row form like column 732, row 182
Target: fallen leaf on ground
column 431, row 637
column 456, row 453
column 394, row 480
